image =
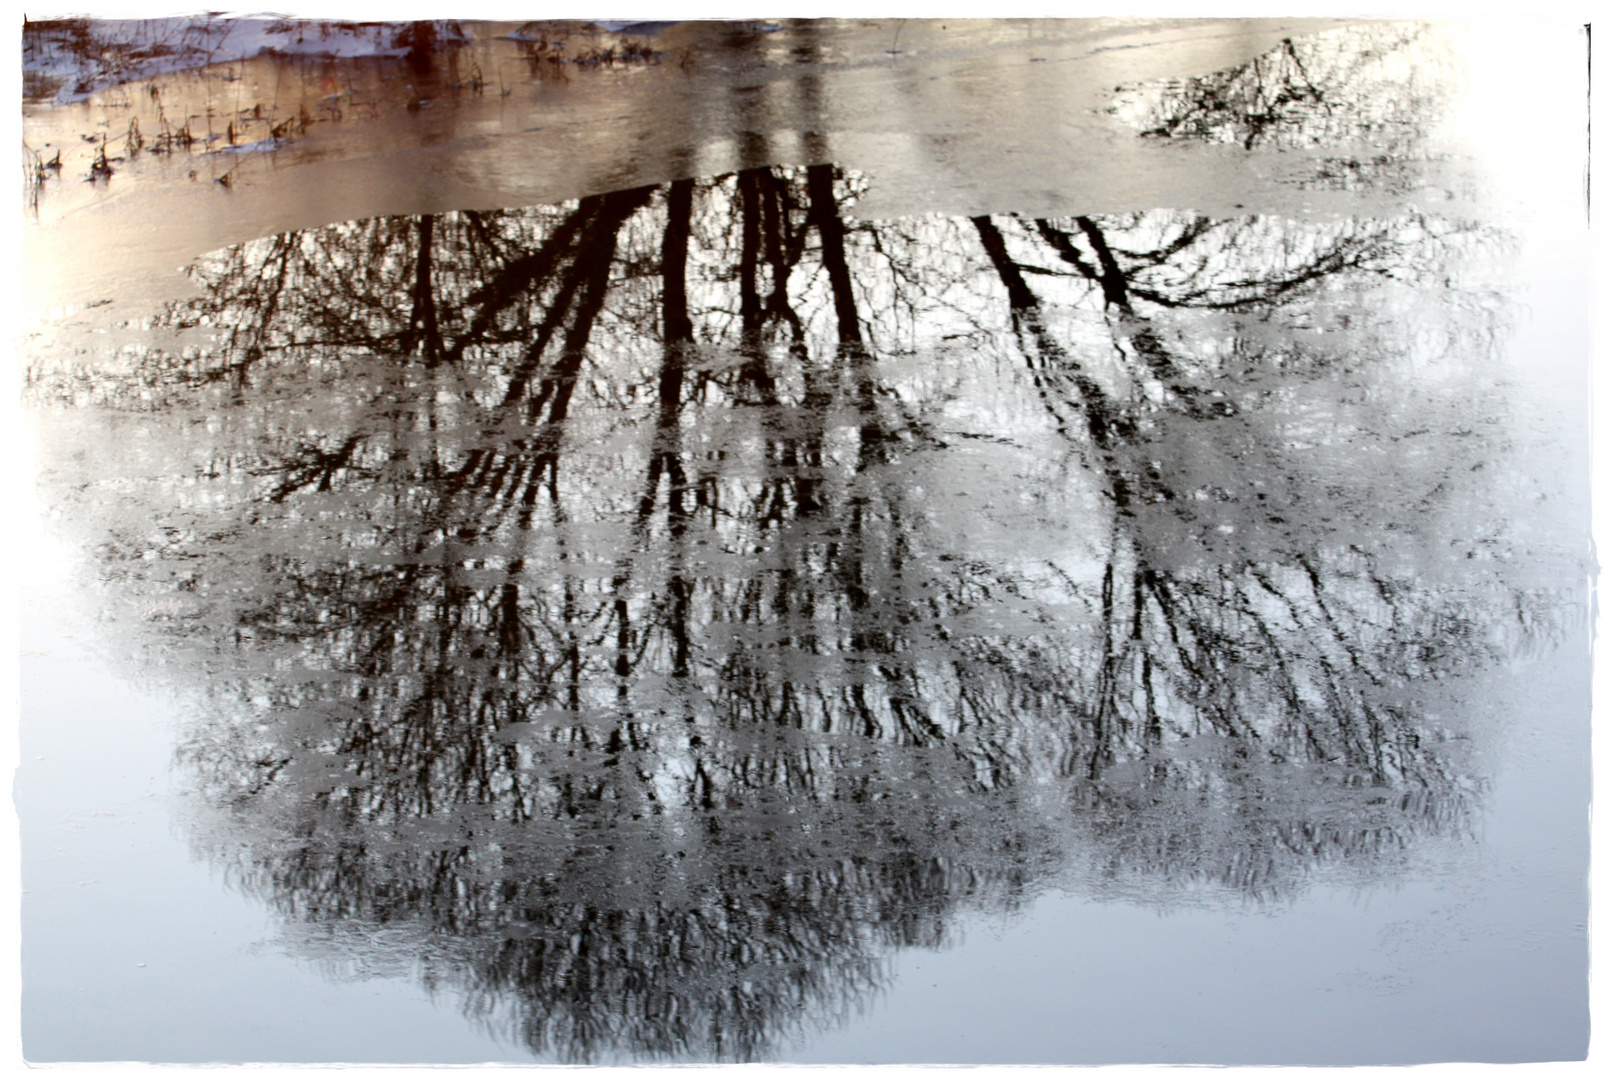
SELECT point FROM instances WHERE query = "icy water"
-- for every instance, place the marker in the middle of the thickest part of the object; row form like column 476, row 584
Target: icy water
column 1068, row 548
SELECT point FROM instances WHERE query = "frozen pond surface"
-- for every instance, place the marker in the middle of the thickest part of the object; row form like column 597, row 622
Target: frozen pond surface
column 1058, row 542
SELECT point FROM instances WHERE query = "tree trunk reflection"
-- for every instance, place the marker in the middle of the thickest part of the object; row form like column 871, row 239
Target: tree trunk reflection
column 661, row 607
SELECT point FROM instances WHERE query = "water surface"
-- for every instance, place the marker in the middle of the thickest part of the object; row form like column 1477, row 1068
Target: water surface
column 703, row 619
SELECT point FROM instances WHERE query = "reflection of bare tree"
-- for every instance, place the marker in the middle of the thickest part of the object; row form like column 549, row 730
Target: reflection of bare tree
column 665, row 605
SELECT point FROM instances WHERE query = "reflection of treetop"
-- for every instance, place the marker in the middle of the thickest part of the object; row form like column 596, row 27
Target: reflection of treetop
column 686, row 581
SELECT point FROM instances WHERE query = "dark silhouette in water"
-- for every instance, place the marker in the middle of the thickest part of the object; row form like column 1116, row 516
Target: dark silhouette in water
column 420, row 38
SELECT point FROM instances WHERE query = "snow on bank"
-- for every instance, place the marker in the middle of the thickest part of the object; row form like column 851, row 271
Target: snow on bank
column 67, row 60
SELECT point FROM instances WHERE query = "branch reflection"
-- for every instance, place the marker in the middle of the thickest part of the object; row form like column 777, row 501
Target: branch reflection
column 1355, row 101
column 656, row 609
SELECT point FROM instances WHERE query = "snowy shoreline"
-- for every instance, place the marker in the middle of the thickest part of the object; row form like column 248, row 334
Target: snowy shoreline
column 71, row 60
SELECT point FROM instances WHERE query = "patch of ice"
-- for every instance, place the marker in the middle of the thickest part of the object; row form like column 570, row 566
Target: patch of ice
column 261, row 146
